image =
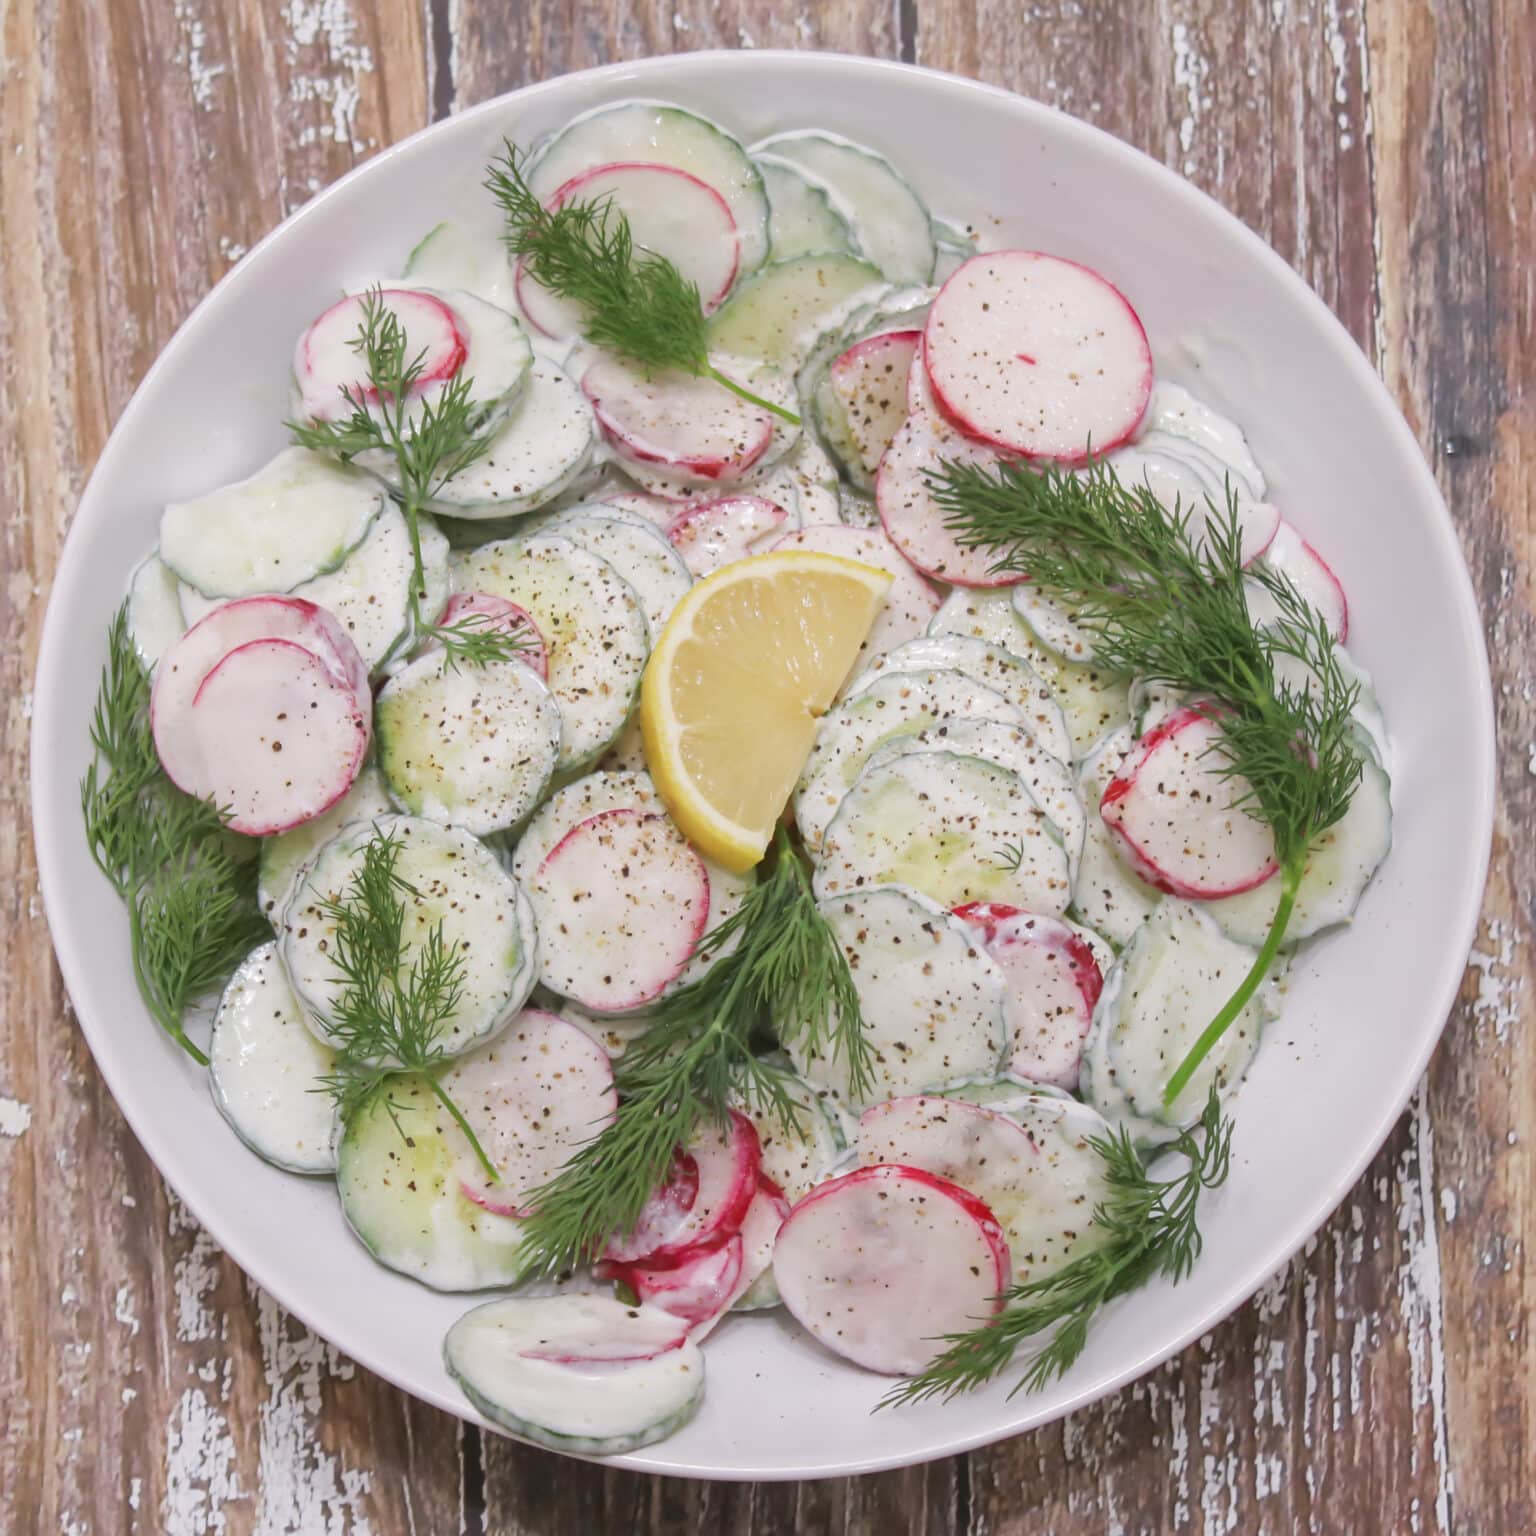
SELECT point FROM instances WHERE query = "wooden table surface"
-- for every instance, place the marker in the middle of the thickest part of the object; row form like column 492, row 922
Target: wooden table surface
column 1384, row 1382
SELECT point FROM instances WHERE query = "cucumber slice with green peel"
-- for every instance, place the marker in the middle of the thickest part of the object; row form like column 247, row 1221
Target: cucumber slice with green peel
column 400, row 1182
column 638, row 550
column 657, row 133
column 957, row 829
column 592, row 622
column 992, row 666
column 589, row 1408
column 1172, row 979
column 804, row 218
column 1048, row 779
column 899, row 704
column 155, row 618
column 889, row 220
column 284, row 857
column 266, row 1069
column 1107, row 894
column 471, row 747
column 1338, row 869
column 857, row 509
column 930, row 999
column 544, row 445
column 799, row 1157
column 777, row 313
column 464, row 258
column 457, row 883
column 297, row 517
column 1004, row 1093
column 1053, row 623
column 1093, row 701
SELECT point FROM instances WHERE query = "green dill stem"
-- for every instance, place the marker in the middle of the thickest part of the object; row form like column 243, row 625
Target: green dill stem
column 446, row 1100
column 1290, row 881
column 751, row 399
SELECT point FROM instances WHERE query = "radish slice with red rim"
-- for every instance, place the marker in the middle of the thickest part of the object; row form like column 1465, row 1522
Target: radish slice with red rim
column 698, row 1288
column 863, row 401
column 575, row 1329
column 670, row 214
column 1177, row 818
column 693, row 427
column 1038, row 355
column 1289, row 555
column 271, row 736
column 488, row 612
column 532, row 1096
column 715, row 533
column 1054, row 981
column 623, row 900
column 331, row 374
column 879, row 1263
column 662, row 1215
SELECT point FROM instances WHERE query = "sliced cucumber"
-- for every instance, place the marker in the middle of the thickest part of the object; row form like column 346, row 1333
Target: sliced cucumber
column 803, row 482
column 1175, row 974
column 930, row 1000
column 283, row 857
column 154, row 611
column 993, row 667
column 1004, row 1093
column 585, row 1408
column 956, row 829
column 899, row 704
column 400, row 1182
column 541, row 449
column 471, row 747
column 1049, row 780
column 889, row 220
column 1092, row 700
column 465, row 258
column 266, row 1069
column 455, row 881
column 1339, row 867
column 657, row 133
column 1107, row 895
column 1053, row 623
column 592, row 622
column 777, row 314
column 798, row 1158
column 297, row 517
column 856, row 509
column 803, row 218
column 637, row 549
column 1221, row 450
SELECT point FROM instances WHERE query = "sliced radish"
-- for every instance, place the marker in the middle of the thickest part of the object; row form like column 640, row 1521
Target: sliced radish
column 1257, row 524
column 1054, row 981
column 271, row 736
column 662, row 1214
column 913, row 521
column 879, row 1263
column 1177, row 819
column 697, row 1289
column 490, row 612
column 532, row 1096
column 727, row 1164
column 626, row 900
column 1289, row 555
column 692, row 426
column 1038, row 355
column 714, row 533
column 910, row 604
column 670, row 214
column 868, row 383
column 331, row 373
column 594, row 1329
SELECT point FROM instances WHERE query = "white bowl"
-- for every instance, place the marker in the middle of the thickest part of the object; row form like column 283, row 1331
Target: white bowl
column 1225, row 316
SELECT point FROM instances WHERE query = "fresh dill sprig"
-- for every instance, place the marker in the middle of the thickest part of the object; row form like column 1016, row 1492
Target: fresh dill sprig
column 191, row 897
column 430, row 437
column 1166, row 598
column 1143, row 1227
column 1009, row 857
column 636, row 304
column 392, row 1010
column 786, row 972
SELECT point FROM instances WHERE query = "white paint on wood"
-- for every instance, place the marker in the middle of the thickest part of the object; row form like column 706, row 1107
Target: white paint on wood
column 15, row 1117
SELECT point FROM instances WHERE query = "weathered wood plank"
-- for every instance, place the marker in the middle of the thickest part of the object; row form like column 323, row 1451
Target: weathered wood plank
column 148, row 1387
column 1455, row 142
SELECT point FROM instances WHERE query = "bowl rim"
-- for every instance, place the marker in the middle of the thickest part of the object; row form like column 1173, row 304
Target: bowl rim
column 49, row 797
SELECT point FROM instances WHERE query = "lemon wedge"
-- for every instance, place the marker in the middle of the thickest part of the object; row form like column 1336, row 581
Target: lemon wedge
column 748, row 662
